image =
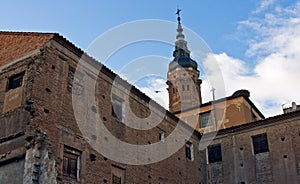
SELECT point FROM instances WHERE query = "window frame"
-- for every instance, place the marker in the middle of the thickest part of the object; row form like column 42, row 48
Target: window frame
column 189, row 150
column 69, row 155
column 114, row 178
column 258, row 145
column 161, row 136
column 120, row 104
column 209, row 120
column 16, row 78
column 118, row 173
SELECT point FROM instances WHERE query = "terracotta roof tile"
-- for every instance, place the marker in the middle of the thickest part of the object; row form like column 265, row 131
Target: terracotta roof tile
column 14, row 45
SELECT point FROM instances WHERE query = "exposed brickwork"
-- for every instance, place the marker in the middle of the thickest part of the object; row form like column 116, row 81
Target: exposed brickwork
column 39, row 128
column 49, row 123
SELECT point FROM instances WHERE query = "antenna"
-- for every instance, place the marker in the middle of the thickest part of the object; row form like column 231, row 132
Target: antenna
column 213, row 93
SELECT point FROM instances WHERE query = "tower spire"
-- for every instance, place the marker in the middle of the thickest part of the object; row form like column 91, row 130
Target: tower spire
column 178, row 15
column 183, row 76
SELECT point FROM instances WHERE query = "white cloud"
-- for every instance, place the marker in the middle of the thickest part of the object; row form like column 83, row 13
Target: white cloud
column 264, row 4
column 275, row 48
column 156, row 89
column 272, row 79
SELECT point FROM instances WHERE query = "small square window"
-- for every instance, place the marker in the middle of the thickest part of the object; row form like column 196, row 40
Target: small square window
column 15, row 81
column 205, row 119
column 71, row 163
column 189, row 150
column 214, row 153
column 118, row 108
column 260, row 143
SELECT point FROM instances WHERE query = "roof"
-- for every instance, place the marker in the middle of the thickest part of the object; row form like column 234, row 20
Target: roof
column 240, row 93
column 14, row 45
column 264, row 122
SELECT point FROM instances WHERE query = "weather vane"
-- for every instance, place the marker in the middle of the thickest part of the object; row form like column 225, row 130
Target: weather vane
column 178, row 12
column 178, row 15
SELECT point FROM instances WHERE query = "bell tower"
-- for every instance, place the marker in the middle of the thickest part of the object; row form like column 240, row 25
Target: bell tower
column 184, row 85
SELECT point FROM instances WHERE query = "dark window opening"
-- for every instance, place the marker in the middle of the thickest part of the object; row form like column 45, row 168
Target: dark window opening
column 260, row 143
column 254, row 118
column 15, row 81
column 118, row 108
column 189, row 150
column 214, row 153
column 183, row 88
column 187, row 87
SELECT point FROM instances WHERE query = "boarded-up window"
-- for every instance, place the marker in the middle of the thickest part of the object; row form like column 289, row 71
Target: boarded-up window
column 214, row 153
column 71, row 163
column 260, row 143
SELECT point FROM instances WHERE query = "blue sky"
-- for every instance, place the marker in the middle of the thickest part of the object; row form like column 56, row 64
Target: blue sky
column 254, row 41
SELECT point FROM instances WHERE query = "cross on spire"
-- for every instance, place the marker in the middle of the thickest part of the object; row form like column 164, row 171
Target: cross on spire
column 178, row 15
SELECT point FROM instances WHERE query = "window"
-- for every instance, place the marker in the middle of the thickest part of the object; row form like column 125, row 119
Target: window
column 15, row 81
column 162, row 136
column 189, row 150
column 214, row 153
column 183, row 88
column 205, row 119
column 118, row 175
column 260, row 143
column 187, row 87
column 118, row 108
column 116, row 179
column 71, row 163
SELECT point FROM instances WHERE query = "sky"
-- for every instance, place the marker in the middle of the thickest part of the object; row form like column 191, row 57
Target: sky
column 255, row 42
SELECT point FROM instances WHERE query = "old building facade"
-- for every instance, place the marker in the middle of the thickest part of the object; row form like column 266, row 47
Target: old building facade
column 43, row 139
column 238, row 144
column 264, row 151
column 40, row 139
